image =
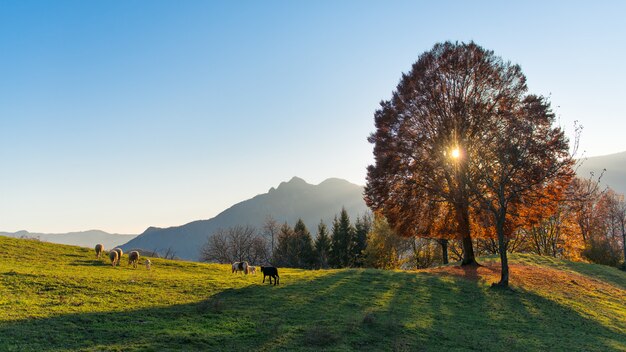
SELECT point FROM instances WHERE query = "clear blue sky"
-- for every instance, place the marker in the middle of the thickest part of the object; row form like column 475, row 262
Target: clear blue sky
column 119, row 115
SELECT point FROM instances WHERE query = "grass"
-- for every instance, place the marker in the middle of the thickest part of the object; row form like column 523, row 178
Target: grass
column 60, row 298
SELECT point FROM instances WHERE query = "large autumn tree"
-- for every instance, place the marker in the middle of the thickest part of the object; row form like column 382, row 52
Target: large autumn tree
column 426, row 143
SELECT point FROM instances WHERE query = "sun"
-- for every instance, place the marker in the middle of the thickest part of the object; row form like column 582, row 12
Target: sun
column 456, row 153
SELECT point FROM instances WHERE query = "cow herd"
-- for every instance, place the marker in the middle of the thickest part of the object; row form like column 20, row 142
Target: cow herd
column 268, row 271
column 115, row 256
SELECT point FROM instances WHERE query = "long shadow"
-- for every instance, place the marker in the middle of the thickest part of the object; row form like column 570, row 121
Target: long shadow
column 90, row 262
column 605, row 273
column 479, row 318
column 612, row 275
column 345, row 310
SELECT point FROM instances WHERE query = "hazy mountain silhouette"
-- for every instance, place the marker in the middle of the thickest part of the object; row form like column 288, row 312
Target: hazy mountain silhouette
column 82, row 238
column 288, row 202
column 615, row 174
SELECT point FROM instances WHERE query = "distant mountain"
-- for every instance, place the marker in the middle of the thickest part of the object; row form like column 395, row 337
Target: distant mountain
column 288, row 202
column 615, row 174
column 83, row 238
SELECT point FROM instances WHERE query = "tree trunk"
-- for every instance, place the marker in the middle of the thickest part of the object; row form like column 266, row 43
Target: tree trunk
column 624, row 245
column 468, row 251
column 504, row 261
column 462, row 215
column 444, row 250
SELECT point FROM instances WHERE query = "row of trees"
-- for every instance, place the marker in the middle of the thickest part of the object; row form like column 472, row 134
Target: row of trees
column 580, row 222
column 386, row 250
column 585, row 223
column 285, row 246
column 340, row 247
column 608, row 230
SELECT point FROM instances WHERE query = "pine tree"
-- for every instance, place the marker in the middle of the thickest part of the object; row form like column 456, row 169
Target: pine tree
column 295, row 247
column 341, row 240
column 362, row 227
column 334, row 256
column 284, row 246
column 304, row 255
column 322, row 246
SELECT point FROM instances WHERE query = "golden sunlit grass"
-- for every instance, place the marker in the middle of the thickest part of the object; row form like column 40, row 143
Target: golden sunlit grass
column 60, row 298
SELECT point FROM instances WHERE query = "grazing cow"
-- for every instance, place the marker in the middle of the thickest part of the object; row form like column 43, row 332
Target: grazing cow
column 119, row 254
column 133, row 258
column 114, row 258
column 240, row 266
column 148, row 263
column 99, row 250
column 252, row 269
column 272, row 272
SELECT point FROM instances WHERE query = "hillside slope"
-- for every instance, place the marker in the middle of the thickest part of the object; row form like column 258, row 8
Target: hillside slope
column 288, row 202
column 81, row 238
column 615, row 165
column 60, row 298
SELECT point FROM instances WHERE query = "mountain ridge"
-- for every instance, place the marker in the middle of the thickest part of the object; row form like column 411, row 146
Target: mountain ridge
column 286, row 203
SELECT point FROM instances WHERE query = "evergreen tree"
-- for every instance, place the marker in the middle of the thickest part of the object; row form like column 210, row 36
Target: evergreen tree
column 295, row 247
column 304, row 255
column 322, row 246
column 341, row 240
column 334, row 256
column 284, row 244
column 362, row 227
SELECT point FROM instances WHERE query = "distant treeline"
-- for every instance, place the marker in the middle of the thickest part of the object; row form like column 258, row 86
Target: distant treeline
column 589, row 226
column 344, row 245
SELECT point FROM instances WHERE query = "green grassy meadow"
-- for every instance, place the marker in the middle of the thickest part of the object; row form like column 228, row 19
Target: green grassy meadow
column 61, row 298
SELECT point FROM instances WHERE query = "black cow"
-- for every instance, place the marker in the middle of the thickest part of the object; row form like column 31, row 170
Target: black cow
column 272, row 272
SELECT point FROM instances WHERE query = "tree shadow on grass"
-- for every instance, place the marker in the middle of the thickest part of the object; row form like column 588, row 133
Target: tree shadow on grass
column 611, row 275
column 90, row 262
column 606, row 273
column 364, row 310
